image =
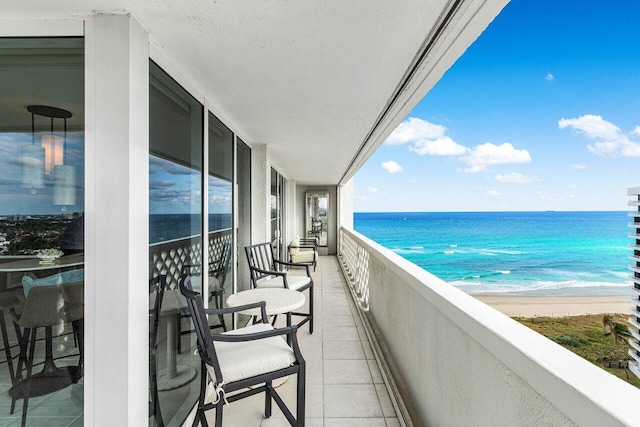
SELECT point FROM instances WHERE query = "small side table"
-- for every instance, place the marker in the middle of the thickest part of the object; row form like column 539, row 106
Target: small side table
column 278, row 301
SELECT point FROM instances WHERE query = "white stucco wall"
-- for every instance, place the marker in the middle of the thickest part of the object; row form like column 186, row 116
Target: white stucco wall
column 345, row 205
column 260, row 193
column 461, row 363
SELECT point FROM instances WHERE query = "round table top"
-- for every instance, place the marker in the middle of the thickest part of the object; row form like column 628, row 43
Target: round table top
column 278, row 300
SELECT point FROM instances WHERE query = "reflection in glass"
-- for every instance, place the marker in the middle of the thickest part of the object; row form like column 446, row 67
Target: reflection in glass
column 317, row 203
column 244, row 210
column 277, row 214
column 42, row 229
column 221, row 257
column 175, row 234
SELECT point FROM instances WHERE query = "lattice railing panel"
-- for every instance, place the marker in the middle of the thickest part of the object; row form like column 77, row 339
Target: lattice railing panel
column 354, row 259
column 170, row 257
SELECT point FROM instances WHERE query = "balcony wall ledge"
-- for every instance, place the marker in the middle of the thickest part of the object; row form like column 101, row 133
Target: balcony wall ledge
column 581, row 392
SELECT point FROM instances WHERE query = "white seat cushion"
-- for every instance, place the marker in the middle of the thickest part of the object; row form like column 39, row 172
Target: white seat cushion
column 304, row 256
column 240, row 360
column 294, row 282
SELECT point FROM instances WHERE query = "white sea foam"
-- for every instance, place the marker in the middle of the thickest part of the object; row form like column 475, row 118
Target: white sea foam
column 543, row 287
column 449, row 252
column 453, row 246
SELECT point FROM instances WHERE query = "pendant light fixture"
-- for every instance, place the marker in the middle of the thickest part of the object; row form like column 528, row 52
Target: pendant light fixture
column 64, row 191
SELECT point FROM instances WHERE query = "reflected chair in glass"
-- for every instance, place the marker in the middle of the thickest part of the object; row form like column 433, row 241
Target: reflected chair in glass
column 249, row 358
column 8, row 301
column 304, row 251
column 218, row 270
column 46, row 306
column 217, row 275
column 156, row 293
column 266, row 272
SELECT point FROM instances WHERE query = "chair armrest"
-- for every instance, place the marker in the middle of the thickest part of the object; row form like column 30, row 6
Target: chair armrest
column 287, row 330
column 229, row 310
column 268, row 272
column 304, row 246
column 294, row 264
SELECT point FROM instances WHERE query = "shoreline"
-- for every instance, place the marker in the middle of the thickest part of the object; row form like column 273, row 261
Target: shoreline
column 517, row 305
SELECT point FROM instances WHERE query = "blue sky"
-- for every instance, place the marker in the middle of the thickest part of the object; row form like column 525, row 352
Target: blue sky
column 542, row 112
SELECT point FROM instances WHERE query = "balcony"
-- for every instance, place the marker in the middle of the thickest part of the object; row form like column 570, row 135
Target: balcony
column 456, row 361
column 344, row 384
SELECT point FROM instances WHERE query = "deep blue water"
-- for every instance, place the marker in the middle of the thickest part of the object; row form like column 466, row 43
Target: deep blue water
column 177, row 226
column 540, row 252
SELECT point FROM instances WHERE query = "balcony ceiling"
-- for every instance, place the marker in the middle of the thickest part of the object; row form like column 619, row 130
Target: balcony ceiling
column 322, row 83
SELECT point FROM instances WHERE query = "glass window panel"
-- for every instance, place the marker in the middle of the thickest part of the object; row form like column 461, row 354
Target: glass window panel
column 221, row 259
column 244, row 210
column 42, row 227
column 175, row 234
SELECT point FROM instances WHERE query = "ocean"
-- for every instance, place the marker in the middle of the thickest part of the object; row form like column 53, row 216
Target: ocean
column 541, row 253
column 163, row 227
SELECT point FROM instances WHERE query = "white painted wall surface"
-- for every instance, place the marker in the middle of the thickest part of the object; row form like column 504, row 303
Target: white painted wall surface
column 345, row 205
column 260, row 195
column 462, row 363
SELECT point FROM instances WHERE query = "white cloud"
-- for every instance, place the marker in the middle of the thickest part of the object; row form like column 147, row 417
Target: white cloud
column 549, row 77
column 578, row 167
column 493, row 193
column 414, row 129
column 487, row 154
column 391, row 166
column 443, row 146
column 515, row 178
column 426, row 138
column 360, row 197
column 372, row 189
column 609, row 139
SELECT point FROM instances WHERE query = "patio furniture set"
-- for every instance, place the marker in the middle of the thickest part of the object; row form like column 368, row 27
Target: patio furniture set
column 242, row 362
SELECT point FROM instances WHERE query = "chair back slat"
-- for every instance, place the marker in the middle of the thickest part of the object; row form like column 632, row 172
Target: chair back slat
column 260, row 257
column 206, row 348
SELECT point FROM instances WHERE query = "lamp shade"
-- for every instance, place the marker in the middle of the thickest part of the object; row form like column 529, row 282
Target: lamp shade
column 53, row 151
column 64, row 187
column 32, row 166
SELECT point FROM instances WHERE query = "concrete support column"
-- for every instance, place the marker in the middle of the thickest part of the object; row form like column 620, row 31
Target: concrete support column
column 345, row 206
column 116, row 228
column 260, row 195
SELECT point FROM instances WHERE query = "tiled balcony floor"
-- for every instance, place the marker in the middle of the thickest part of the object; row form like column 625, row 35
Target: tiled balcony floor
column 344, row 385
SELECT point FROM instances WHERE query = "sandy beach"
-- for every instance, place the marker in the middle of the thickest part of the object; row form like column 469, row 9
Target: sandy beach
column 556, row 306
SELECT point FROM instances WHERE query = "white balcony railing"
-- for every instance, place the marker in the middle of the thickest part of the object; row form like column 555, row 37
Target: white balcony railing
column 457, row 361
column 634, row 321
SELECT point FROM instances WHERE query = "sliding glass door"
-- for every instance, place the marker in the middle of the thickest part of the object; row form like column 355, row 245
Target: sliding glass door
column 175, row 234
column 42, row 164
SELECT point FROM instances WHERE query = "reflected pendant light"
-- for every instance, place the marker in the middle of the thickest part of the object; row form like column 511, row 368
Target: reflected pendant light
column 53, row 144
column 64, row 190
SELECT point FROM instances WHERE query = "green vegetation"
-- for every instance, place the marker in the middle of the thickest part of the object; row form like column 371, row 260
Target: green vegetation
column 600, row 339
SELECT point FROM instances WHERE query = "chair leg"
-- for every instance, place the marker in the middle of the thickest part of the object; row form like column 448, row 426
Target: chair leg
column 267, row 400
column 23, row 341
column 7, row 348
column 219, row 407
column 300, row 401
column 311, row 309
column 25, row 403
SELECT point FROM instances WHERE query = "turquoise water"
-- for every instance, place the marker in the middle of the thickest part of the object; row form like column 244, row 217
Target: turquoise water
column 567, row 253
